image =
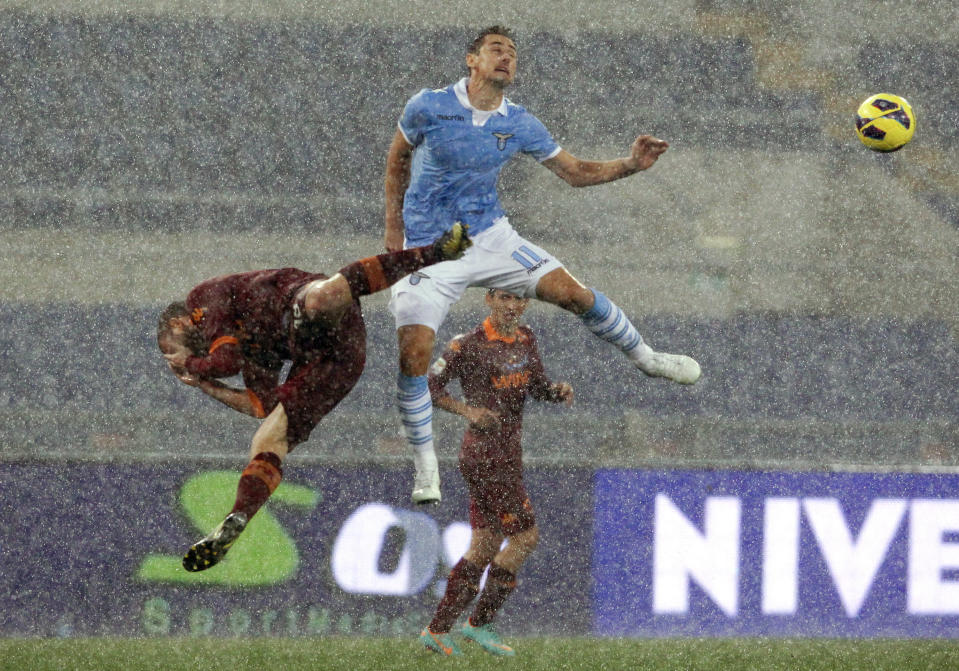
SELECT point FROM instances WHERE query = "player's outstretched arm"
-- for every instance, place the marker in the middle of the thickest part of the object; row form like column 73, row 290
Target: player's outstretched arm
column 644, row 152
column 238, row 399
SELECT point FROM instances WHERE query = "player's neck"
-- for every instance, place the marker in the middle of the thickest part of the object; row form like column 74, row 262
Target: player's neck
column 506, row 329
column 484, row 94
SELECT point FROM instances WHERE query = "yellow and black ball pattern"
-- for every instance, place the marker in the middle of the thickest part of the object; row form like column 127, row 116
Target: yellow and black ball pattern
column 885, row 122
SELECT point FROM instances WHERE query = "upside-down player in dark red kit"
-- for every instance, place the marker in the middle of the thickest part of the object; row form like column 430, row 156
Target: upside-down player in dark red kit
column 498, row 366
column 249, row 324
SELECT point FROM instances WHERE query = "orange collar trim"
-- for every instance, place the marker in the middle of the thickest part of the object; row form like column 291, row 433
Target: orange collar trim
column 493, row 334
column 221, row 341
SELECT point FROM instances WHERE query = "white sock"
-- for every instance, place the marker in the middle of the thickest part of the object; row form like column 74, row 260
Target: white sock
column 416, row 411
column 424, row 460
column 609, row 323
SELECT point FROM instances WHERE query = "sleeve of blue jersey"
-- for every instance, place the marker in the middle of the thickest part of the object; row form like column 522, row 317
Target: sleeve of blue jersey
column 539, row 142
column 414, row 119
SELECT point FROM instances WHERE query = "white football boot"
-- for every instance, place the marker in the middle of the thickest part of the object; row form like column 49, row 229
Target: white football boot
column 676, row 367
column 426, row 481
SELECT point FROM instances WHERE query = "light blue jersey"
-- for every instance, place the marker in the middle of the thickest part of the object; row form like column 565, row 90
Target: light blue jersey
column 459, row 152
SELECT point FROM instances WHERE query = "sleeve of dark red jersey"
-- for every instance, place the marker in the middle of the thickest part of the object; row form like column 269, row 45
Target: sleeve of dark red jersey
column 445, row 369
column 224, row 359
column 540, row 386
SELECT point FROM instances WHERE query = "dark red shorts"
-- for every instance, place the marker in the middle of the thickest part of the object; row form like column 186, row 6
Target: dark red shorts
column 326, row 367
column 498, row 499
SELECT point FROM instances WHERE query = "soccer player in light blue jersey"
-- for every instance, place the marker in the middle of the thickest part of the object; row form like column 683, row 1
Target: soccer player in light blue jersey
column 442, row 167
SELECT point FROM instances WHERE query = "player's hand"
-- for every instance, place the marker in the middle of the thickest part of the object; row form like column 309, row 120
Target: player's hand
column 454, row 243
column 177, row 358
column 483, row 419
column 185, row 376
column 645, row 150
column 563, row 393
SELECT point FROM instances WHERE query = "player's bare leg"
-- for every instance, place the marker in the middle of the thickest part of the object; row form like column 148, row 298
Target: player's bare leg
column 609, row 323
column 259, row 480
column 517, row 551
column 416, row 409
column 416, row 348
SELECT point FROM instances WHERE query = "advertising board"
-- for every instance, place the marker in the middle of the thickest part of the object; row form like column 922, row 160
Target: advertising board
column 94, row 549
column 721, row 553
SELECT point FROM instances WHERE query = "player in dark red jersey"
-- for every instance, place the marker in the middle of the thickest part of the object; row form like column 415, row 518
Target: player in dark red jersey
column 498, row 366
column 249, row 324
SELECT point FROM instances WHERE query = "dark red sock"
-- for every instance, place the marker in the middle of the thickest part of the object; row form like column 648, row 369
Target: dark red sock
column 500, row 583
column 375, row 273
column 462, row 585
column 259, row 480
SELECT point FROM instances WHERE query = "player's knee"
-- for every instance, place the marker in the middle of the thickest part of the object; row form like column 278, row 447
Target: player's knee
column 484, row 546
column 565, row 291
column 522, row 545
column 416, row 349
column 326, row 298
column 481, row 556
column 529, row 540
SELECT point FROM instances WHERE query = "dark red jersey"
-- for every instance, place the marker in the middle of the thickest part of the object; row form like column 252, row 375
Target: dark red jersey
column 242, row 314
column 498, row 373
column 245, row 321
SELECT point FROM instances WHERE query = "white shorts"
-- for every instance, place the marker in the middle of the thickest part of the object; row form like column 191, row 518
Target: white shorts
column 498, row 259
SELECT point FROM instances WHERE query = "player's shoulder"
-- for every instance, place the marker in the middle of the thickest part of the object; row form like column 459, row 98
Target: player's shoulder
column 458, row 342
column 522, row 120
column 514, row 107
column 452, row 352
column 211, row 287
column 469, row 341
column 525, row 334
column 519, row 114
column 424, row 96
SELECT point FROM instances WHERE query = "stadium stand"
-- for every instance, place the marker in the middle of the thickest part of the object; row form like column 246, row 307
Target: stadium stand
column 97, row 367
column 827, row 337
column 276, row 109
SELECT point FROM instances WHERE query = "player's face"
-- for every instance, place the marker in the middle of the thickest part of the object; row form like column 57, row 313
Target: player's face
column 495, row 61
column 505, row 308
column 182, row 334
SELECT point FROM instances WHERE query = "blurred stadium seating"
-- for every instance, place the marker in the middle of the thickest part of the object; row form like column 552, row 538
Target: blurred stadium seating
column 816, row 282
column 776, row 389
column 305, row 112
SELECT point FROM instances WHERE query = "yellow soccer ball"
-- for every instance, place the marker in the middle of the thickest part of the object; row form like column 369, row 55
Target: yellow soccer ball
column 885, row 122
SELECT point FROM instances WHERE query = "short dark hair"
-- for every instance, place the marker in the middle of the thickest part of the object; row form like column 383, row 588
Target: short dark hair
column 171, row 311
column 475, row 45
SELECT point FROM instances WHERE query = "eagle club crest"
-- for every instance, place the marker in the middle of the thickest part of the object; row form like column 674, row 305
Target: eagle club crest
column 501, row 139
column 417, row 276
